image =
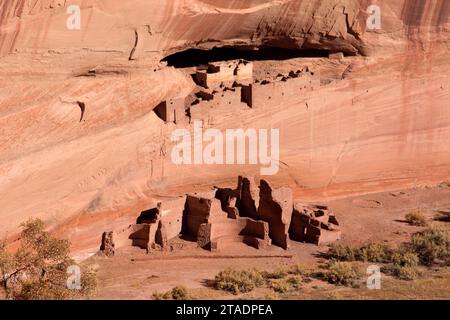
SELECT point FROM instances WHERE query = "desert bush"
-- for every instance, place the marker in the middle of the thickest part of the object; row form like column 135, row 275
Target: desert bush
column 341, row 273
column 277, row 274
column 406, row 273
column 280, row 286
column 38, row 269
column 400, row 272
column 238, row 281
column 162, row 296
column 405, row 258
column 374, row 252
column 177, row 293
column 416, row 218
column 271, row 296
column 431, row 245
column 295, row 282
column 288, row 284
column 300, row 270
column 342, row 253
column 424, row 247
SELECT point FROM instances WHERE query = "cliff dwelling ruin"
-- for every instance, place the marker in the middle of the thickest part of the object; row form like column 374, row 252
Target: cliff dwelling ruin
column 255, row 214
column 259, row 216
column 232, row 83
column 228, row 76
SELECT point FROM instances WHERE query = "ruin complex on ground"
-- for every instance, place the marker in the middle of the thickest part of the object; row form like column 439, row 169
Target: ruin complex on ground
column 258, row 216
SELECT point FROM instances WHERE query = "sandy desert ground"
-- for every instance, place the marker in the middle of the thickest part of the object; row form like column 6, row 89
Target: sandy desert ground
column 377, row 217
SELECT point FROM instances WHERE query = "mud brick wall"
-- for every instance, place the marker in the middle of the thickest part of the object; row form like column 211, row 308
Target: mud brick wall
column 275, row 207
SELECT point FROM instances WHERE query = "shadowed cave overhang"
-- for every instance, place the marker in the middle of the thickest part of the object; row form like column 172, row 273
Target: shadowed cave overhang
column 197, row 57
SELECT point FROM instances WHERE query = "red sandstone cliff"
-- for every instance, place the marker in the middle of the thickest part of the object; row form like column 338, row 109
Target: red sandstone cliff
column 383, row 124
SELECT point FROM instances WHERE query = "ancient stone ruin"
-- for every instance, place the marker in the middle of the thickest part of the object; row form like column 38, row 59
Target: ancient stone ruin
column 336, row 56
column 152, row 230
column 224, row 74
column 108, row 246
column 258, row 216
column 280, row 90
column 172, row 110
column 231, row 83
column 313, row 224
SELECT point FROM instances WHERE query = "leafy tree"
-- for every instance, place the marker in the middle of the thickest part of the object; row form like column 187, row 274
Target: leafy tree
column 38, row 269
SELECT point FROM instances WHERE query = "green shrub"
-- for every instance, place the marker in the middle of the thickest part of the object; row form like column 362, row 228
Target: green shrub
column 291, row 283
column 38, row 269
column 271, row 296
column 341, row 273
column 278, row 274
column 431, row 245
column 177, row 293
column 416, row 218
column 162, row 296
column 374, row 252
column 406, row 273
column 300, row 270
column 400, row 272
column 404, row 258
column 238, row 281
column 280, row 286
column 295, row 281
column 342, row 253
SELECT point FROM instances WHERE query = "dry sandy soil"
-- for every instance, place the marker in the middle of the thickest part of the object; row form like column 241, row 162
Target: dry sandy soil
column 132, row 274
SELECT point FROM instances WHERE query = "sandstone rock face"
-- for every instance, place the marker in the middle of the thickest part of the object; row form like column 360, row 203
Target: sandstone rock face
column 155, row 26
column 80, row 142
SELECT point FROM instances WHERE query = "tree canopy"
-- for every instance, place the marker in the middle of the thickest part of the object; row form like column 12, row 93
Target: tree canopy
column 38, row 270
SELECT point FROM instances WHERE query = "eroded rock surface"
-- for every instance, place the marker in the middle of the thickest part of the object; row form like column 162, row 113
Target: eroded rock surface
column 82, row 149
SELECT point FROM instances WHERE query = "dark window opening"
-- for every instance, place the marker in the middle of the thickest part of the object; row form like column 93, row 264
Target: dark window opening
column 148, row 216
